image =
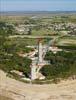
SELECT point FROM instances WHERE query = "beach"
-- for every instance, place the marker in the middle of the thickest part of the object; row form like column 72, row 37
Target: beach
column 16, row 90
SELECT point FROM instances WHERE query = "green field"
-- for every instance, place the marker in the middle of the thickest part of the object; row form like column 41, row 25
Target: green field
column 13, row 44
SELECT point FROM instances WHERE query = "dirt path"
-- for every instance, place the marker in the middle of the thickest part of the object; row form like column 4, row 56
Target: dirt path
column 11, row 88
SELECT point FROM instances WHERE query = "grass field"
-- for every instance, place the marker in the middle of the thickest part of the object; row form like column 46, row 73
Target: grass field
column 43, row 32
column 67, row 40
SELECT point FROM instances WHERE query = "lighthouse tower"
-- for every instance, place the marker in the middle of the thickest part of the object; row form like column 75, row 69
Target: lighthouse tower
column 40, row 52
column 35, row 65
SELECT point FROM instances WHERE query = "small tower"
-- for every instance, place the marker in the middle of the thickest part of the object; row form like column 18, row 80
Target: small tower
column 40, row 51
column 33, row 72
column 35, row 65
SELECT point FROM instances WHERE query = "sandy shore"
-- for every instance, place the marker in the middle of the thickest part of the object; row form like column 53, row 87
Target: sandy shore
column 65, row 90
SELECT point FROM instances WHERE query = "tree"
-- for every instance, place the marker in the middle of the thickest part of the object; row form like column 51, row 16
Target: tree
column 29, row 31
column 62, row 64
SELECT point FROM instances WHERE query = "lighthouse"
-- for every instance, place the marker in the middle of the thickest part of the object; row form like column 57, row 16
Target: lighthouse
column 40, row 52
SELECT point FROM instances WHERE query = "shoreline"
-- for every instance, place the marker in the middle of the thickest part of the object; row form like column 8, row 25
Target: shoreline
column 65, row 90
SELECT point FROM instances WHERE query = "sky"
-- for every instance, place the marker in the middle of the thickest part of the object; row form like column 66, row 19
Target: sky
column 37, row 5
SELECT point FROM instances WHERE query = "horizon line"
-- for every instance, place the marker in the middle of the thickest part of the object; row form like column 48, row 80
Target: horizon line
column 40, row 11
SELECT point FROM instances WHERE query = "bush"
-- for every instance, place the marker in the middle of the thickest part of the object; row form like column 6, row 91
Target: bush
column 62, row 65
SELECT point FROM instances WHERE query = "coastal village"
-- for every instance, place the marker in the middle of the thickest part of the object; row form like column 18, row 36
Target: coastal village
column 38, row 55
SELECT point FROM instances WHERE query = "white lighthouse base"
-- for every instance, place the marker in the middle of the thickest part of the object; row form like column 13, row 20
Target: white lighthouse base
column 33, row 72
